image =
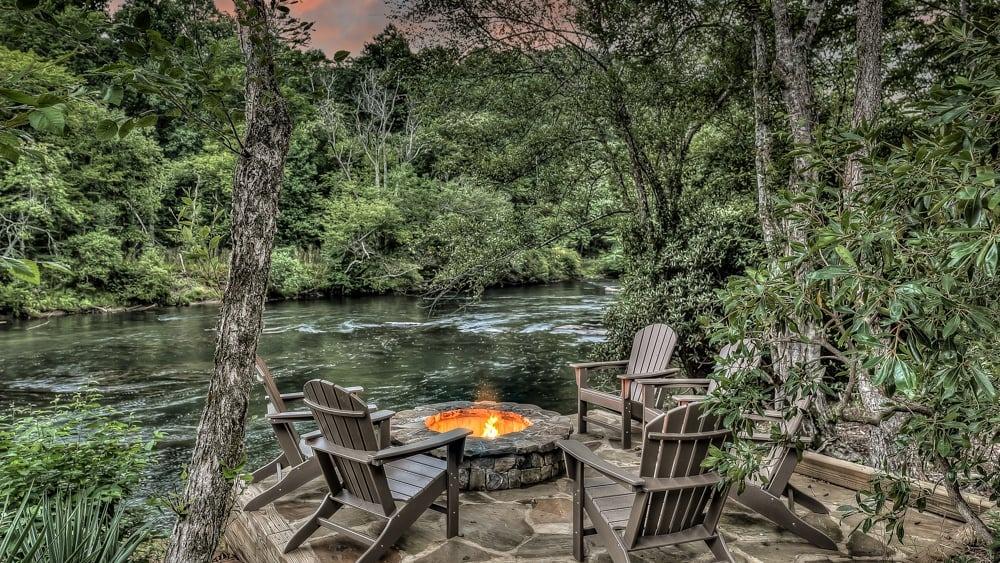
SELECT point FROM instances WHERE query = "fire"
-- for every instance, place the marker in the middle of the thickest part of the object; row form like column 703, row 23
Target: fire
column 490, row 430
column 484, row 422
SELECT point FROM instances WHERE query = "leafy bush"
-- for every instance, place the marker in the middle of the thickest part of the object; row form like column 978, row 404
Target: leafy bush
column 93, row 257
column 291, row 273
column 80, row 527
column 69, row 447
column 147, row 279
column 544, row 265
column 716, row 238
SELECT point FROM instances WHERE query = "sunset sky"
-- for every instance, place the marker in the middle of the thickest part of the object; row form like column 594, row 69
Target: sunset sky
column 342, row 24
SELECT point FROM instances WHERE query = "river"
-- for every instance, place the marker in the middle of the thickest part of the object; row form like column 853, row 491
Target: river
column 512, row 345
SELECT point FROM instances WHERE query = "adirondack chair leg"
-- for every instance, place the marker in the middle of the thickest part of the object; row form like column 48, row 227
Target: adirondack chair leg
column 805, row 500
column 325, row 510
column 267, row 470
column 719, row 549
column 455, row 451
column 577, row 476
column 581, row 416
column 293, row 479
column 627, row 425
column 401, row 521
column 771, row 507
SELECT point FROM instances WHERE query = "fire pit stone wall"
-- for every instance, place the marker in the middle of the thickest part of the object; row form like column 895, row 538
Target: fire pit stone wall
column 510, row 461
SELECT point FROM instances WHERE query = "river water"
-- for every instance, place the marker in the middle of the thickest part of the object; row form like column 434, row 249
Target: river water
column 513, row 345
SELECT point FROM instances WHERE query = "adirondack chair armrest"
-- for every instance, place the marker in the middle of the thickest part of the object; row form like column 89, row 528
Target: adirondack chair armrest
column 357, row 389
column 381, row 416
column 289, row 416
column 323, row 445
column 582, row 370
column 764, row 418
column 292, row 396
column 423, row 446
column 682, row 383
column 767, row 437
column 650, row 374
column 598, row 365
column 582, row 453
column 663, row 484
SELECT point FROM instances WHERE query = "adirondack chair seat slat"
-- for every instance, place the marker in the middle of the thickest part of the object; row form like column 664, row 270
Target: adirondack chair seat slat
column 698, row 533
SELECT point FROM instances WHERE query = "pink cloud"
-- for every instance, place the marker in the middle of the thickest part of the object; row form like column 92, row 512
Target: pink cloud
column 337, row 24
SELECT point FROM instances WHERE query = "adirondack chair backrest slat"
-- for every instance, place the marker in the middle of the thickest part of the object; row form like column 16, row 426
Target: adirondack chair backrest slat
column 267, row 379
column 690, row 433
column 346, row 421
column 749, row 360
column 286, row 434
column 791, row 427
column 652, row 349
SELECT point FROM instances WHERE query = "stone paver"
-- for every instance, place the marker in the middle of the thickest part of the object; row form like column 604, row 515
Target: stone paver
column 533, row 524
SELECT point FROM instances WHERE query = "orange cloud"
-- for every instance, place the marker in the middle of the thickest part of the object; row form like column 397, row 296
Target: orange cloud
column 337, row 24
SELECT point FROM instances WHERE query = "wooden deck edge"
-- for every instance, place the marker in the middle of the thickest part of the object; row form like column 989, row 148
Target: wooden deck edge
column 856, row 477
column 258, row 537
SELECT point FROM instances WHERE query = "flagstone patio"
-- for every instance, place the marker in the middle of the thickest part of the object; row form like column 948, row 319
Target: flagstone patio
column 533, row 524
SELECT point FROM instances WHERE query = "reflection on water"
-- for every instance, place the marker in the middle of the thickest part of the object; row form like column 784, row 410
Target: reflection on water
column 513, row 346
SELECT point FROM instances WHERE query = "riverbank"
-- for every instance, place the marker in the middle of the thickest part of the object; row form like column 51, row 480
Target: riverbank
column 22, row 301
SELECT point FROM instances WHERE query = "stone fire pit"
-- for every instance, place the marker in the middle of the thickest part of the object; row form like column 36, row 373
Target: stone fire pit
column 516, row 459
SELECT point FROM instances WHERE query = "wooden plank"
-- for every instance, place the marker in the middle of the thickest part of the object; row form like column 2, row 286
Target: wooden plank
column 856, row 477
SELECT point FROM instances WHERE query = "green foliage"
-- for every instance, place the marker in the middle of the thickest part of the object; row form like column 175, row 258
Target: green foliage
column 93, row 257
column 70, row 447
column 81, row 527
column 293, row 273
column 900, row 278
column 717, row 236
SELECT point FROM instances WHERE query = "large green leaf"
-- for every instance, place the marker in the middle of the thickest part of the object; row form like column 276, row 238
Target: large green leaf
column 50, row 119
column 22, row 269
column 106, row 129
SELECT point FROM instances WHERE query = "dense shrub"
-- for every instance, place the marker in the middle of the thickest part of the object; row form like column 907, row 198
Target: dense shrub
column 716, row 239
column 544, row 265
column 292, row 273
column 93, row 258
column 149, row 278
column 71, row 446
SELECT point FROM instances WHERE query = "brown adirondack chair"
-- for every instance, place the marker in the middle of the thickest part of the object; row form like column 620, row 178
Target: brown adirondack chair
column 750, row 360
column 295, row 465
column 363, row 474
column 671, row 500
column 777, row 469
column 652, row 348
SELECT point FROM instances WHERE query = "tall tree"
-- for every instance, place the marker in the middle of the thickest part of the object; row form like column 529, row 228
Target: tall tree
column 793, row 43
column 219, row 448
column 867, row 100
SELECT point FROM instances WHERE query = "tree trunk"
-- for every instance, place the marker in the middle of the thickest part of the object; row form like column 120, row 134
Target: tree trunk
column 792, row 50
column 763, row 161
column 867, row 100
column 982, row 534
column 219, row 450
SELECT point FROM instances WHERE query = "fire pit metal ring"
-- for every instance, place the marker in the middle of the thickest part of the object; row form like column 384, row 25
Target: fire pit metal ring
column 516, row 459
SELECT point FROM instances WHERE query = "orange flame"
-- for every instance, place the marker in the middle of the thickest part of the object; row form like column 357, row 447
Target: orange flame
column 490, row 430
